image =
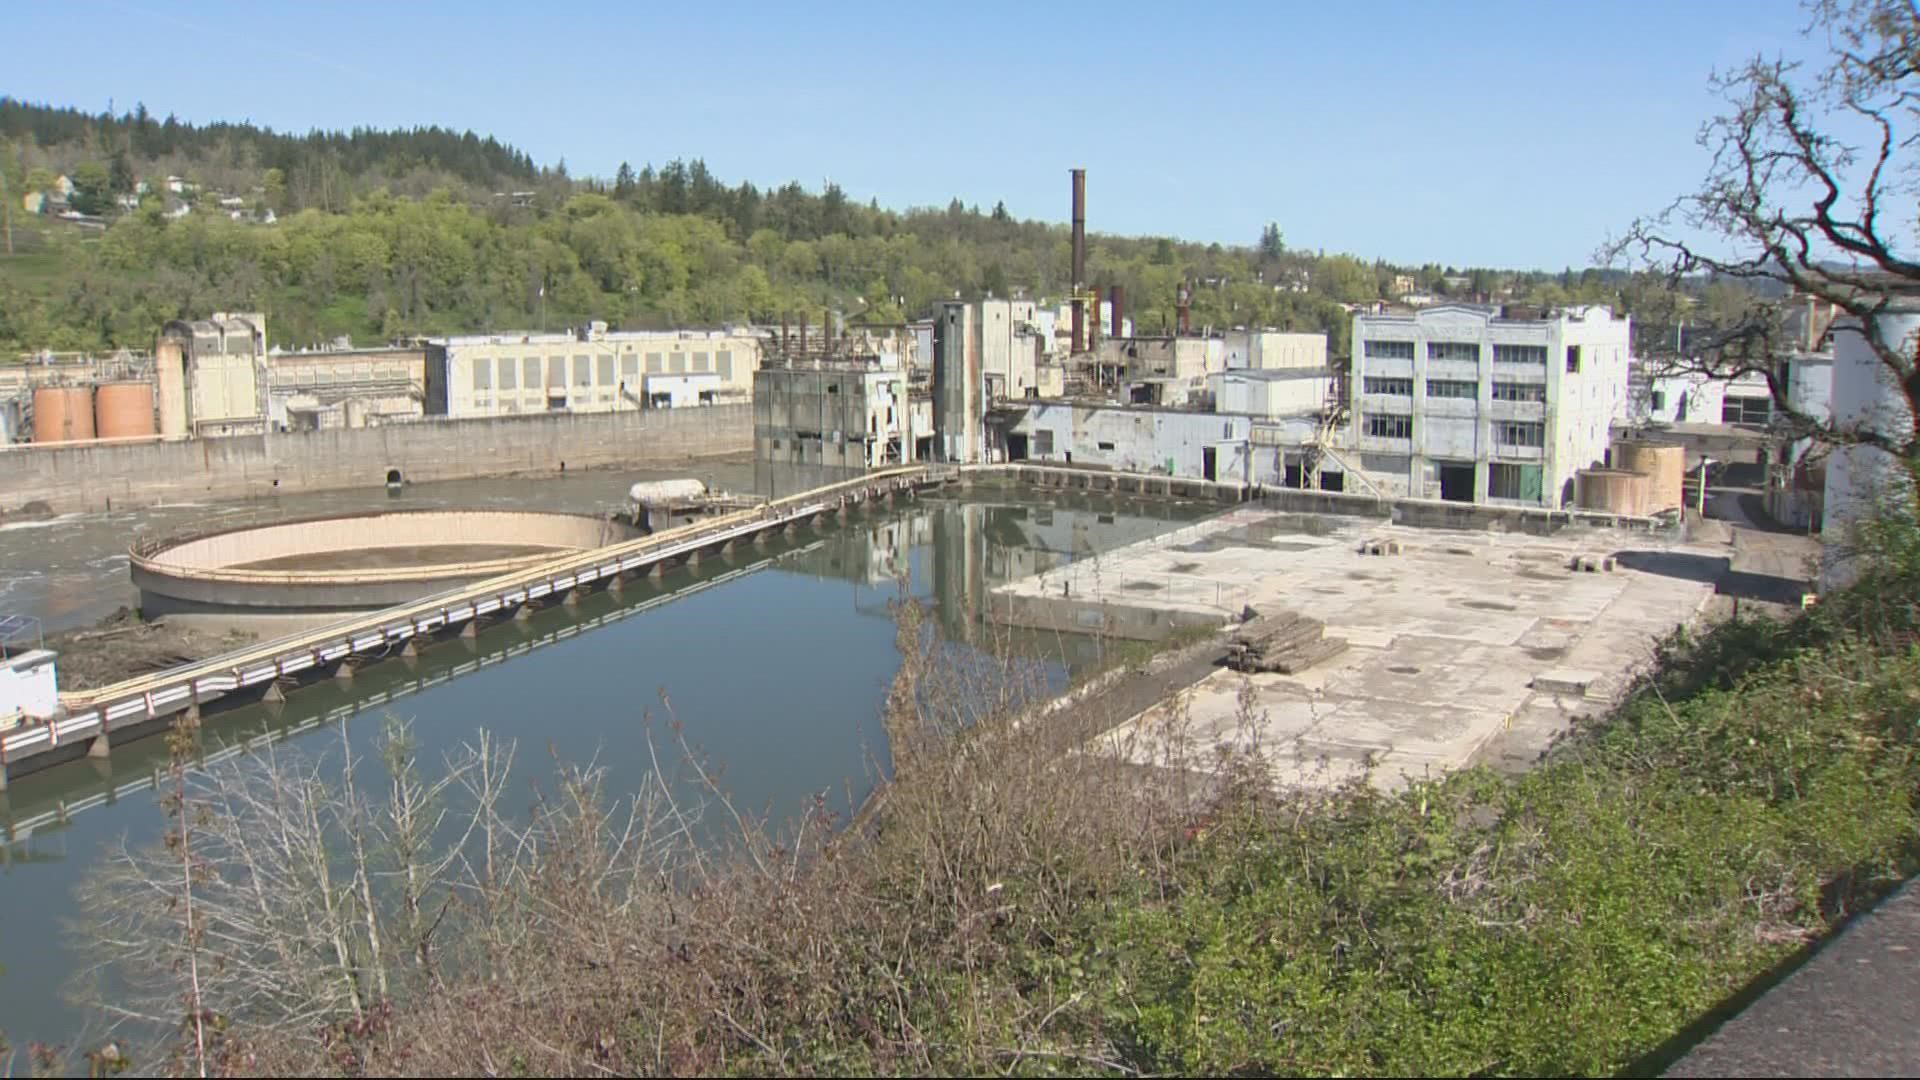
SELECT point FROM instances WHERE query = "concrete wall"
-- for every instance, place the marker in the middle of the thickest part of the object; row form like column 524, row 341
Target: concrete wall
column 89, row 477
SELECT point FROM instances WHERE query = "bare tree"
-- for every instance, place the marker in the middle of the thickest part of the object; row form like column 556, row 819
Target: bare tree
column 1812, row 186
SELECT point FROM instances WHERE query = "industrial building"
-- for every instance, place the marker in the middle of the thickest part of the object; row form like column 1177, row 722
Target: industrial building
column 1172, row 442
column 322, row 390
column 210, row 375
column 844, row 404
column 1480, row 404
column 588, row 370
column 1866, row 398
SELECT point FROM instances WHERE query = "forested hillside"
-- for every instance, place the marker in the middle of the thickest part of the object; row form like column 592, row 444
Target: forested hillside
column 379, row 235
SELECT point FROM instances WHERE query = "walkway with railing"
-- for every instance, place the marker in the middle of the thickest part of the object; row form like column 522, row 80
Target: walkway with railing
column 141, row 706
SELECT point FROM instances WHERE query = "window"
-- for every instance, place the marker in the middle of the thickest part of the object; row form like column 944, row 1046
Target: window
column 1520, row 482
column 483, row 374
column 1454, row 350
column 677, row 363
column 530, row 368
column 1106, row 446
column 508, row 369
column 1373, row 384
column 1226, row 431
column 556, row 374
column 583, row 371
column 1389, row 350
column 1450, row 388
column 1659, row 401
column 1043, row 442
column 1389, row 426
column 654, row 365
column 723, row 363
column 699, row 361
column 606, row 371
column 1746, row 410
column 1519, row 391
column 630, row 368
column 1573, row 359
column 1520, row 354
column 1519, row 433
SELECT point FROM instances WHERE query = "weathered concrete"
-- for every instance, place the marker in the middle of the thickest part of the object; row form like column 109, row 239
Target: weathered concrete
column 279, row 576
column 1447, row 638
column 88, row 476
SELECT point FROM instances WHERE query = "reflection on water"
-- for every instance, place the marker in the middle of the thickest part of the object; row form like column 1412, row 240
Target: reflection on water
column 776, row 659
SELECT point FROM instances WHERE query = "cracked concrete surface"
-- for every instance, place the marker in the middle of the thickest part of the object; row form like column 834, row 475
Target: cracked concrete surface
column 1446, row 638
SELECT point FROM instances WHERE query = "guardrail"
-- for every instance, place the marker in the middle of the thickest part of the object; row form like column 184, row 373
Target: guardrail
column 93, row 713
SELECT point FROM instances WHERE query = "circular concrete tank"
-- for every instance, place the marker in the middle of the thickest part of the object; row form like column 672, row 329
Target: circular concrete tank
column 1614, row 491
column 62, row 414
column 309, row 571
column 123, row 410
column 1665, row 466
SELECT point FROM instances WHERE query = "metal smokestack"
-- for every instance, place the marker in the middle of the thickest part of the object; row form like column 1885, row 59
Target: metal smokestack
column 1117, row 295
column 1081, row 338
column 1183, row 303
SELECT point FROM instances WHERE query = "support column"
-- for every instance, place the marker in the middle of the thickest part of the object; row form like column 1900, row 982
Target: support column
column 101, row 746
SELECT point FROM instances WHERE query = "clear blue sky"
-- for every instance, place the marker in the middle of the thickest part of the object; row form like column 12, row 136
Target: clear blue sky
column 1498, row 133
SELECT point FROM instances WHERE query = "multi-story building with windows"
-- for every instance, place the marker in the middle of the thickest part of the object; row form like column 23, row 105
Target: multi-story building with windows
column 1483, row 404
column 590, row 370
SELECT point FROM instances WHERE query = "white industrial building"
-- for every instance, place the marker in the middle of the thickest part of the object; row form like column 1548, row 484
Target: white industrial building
column 1169, row 442
column 1268, row 350
column 1480, row 404
column 1865, row 398
column 589, row 370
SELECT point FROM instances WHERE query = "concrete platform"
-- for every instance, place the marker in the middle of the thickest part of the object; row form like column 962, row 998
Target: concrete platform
column 1453, row 640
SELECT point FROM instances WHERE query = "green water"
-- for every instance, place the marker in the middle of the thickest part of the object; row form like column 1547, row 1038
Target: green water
column 776, row 661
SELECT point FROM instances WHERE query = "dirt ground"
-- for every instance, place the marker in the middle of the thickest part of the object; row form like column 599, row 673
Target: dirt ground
column 121, row 646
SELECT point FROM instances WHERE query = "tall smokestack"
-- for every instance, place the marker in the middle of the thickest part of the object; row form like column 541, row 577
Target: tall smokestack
column 1117, row 295
column 1081, row 339
column 1183, row 304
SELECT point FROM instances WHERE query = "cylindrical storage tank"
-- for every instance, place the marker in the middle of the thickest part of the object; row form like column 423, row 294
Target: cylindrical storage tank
column 62, row 414
column 123, row 410
column 1866, row 397
column 1665, row 466
column 651, row 492
column 1614, row 491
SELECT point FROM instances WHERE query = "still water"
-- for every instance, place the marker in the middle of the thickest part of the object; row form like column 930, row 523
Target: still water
column 776, row 661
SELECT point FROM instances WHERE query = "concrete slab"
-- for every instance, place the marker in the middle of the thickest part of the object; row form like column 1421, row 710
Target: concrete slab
column 1448, row 637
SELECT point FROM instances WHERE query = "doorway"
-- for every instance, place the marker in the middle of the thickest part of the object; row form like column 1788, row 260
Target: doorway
column 1456, row 482
column 1209, row 462
column 1016, row 446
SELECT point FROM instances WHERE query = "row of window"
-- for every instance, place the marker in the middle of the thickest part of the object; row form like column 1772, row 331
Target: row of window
column 1468, row 351
column 513, row 373
column 1505, row 432
column 1454, row 388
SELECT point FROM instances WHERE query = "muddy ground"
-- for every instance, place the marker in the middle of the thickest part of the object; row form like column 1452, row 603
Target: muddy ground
column 122, row 646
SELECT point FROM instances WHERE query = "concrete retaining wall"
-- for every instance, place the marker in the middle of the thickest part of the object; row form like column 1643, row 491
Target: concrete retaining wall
column 129, row 475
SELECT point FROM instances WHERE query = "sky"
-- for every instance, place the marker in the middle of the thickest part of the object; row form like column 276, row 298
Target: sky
column 1502, row 134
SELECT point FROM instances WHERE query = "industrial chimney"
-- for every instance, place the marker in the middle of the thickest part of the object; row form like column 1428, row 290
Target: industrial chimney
column 1080, row 328
column 1116, row 295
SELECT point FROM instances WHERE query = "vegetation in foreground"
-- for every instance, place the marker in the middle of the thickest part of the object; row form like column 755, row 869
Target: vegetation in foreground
column 1016, row 906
